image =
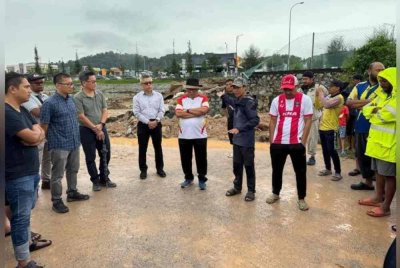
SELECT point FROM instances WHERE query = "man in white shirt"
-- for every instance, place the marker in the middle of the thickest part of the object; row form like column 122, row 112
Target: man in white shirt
column 33, row 106
column 148, row 107
column 191, row 109
column 291, row 115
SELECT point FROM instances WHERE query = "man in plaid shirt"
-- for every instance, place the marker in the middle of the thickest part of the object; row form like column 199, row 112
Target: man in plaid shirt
column 59, row 120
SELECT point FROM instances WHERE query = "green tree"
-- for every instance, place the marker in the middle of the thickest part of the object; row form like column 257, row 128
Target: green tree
column 38, row 70
column 174, row 66
column 380, row 47
column 90, row 68
column 50, row 71
column 63, row 67
column 189, row 61
column 214, row 62
column 204, row 66
column 252, row 57
column 77, row 65
column 336, row 52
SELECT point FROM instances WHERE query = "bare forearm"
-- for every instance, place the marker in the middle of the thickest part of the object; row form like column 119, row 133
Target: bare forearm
column 86, row 122
column 199, row 111
column 357, row 103
column 104, row 116
column 184, row 114
column 272, row 125
column 306, row 131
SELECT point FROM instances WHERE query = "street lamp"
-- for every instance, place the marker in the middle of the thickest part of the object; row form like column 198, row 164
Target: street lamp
column 236, row 63
column 290, row 26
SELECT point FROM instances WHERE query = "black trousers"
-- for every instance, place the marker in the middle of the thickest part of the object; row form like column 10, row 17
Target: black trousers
column 186, row 147
column 328, row 149
column 364, row 161
column 230, row 126
column 297, row 152
column 144, row 133
column 90, row 144
column 244, row 156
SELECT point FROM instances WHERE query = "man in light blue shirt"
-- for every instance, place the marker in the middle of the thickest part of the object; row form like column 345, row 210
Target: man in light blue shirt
column 148, row 107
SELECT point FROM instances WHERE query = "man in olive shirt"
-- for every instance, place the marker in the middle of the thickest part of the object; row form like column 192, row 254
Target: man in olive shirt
column 92, row 111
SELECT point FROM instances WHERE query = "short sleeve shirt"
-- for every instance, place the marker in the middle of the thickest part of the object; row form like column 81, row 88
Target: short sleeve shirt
column 91, row 107
column 20, row 160
column 63, row 128
column 288, row 130
column 195, row 127
column 35, row 101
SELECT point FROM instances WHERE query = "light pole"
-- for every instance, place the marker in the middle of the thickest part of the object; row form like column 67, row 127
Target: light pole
column 290, row 26
column 236, row 62
column 226, row 48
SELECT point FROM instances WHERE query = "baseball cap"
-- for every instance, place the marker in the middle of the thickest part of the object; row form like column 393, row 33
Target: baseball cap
column 289, row 81
column 239, row 82
column 34, row 77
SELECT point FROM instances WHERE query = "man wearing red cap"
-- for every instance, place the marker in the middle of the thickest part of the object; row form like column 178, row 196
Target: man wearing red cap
column 291, row 117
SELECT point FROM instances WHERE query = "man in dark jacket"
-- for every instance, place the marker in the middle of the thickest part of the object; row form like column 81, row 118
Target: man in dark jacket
column 245, row 119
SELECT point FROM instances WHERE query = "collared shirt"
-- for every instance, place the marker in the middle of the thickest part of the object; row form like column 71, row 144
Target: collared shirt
column 35, row 101
column 146, row 107
column 91, row 107
column 61, row 116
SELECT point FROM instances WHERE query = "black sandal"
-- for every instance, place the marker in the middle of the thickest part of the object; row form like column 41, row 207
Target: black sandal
column 249, row 196
column 35, row 236
column 232, row 192
column 36, row 246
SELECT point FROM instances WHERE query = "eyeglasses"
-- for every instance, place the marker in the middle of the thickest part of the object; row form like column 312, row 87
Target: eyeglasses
column 67, row 84
column 147, row 83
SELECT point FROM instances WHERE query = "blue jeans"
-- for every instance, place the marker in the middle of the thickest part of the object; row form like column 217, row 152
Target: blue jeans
column 21, row 194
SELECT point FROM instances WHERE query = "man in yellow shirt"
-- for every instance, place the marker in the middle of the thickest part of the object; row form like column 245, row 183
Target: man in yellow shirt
column 329, row 125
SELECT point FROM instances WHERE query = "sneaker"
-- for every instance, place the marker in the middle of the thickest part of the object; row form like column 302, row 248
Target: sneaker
column 302, row 205
column 336, row 177
column 161, row 173
column 59, row 207
column 272, row 198
column 202, row 185
column 96, row 186
column 186, row 183
column 324, row 172
column 311, row 161
column 108, row 183
column 355, row 172
column 45, row 184
column 77, row 196
column 143, row 174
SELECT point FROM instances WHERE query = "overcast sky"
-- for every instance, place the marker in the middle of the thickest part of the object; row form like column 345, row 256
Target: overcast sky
column 59, row 28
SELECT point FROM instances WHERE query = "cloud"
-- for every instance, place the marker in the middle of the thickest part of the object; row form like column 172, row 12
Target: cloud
column 123, row 19
column 101, row 40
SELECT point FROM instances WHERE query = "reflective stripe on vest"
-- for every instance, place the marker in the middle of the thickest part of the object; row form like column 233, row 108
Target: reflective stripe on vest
column 383, row 129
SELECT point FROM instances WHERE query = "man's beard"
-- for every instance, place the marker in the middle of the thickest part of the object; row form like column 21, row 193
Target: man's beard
column 373, row 78
column 305, row 88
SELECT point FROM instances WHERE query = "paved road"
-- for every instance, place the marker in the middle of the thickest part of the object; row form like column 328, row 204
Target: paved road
column 154, row 223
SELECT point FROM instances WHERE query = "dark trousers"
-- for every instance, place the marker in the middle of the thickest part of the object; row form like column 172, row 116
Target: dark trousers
column 244, row 156
column 200, row 151
column 364, row 161
column 230, row 126
column 144, row 133
column 297, row 152
column 90, row 144
column 328, row 149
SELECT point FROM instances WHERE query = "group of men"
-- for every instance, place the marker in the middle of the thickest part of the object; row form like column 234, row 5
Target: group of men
column 48, row 131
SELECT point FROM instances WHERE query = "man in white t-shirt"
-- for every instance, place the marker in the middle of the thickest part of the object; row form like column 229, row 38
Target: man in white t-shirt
column 33, row 106
column 291, row 117
column 191, row 109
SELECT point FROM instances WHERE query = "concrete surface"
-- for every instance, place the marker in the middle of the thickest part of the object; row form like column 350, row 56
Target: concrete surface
column 154, row 223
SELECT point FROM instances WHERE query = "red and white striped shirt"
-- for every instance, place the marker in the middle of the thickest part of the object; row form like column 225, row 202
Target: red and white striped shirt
column 290, row 115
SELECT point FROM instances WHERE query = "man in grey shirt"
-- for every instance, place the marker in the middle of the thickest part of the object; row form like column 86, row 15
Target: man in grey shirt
column 148, row 107
column 33, row 106
column 92, row 112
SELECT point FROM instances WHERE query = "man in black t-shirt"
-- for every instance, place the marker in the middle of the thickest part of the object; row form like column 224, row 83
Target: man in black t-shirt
column 22, row 135
column 229, row 110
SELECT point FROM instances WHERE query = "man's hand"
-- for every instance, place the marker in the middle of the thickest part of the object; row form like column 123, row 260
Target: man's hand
column 220, row 93
column 375, row 110
column 152, row 124
column 99, row 127
column 233, row 131
column 100, row 135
